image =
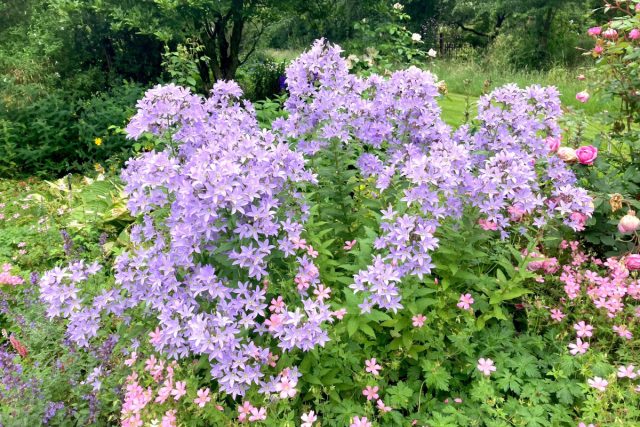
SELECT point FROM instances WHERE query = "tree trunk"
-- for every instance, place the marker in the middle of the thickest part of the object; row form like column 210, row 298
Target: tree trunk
column 222, row 45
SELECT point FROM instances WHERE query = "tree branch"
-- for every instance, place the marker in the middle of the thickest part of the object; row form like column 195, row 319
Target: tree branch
column 471, row 30
column 253, row 46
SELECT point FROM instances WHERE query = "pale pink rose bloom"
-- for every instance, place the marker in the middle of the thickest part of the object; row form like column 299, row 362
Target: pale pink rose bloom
column 582, row 96
column 594, row 31
column 567, row 154
column 634, row 34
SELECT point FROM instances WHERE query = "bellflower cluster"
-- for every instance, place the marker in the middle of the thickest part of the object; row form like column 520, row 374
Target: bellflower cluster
column 60, row 293
column 499, row 168
column 217, row 205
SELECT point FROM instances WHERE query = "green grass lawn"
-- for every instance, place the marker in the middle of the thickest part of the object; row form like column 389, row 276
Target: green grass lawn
column 454, row 105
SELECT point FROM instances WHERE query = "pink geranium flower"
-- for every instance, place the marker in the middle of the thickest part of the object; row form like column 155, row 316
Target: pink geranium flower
column 179, row 390
column 623, row 331
column 203, row 397
column 583, row 329
column 348, row 245
column 486, row 366
column 579, row 347
column 371, row 393
column 372, row 366
column 557, row 314
column 627, row 372
column 382, row 407
column 360, row 422
column 418, row 320
column 598, row 383
column 308, row 419
column 465, row 301
column 258, row 414
column 244, row 411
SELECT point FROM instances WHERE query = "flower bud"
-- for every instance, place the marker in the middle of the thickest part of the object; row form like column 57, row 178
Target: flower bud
column 567, row 154
column 629, row 223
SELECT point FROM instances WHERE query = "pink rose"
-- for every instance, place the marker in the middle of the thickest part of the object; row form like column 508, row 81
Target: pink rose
column 634, row 34
column 582, row 96
column 587, row 154
column 581, row 77
column 594, row 31
column 610, row 34
column 632, row 262
column 638, row 7
column 553, row 143
column 597, row 50
column 567, row 154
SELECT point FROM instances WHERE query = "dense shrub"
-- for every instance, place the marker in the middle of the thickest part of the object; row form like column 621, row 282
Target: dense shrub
column 54, row 133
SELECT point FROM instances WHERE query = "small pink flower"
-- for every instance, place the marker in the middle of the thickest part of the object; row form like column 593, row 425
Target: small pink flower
column 634, row 34
column 179, row 390
column 598, row 383
column 322, row 293
column 610, row 34
column 286, row 388
column 244, row 411
column 169, row 419
column 340, row 313
column 587, row 154
column 418, row 320
column 372, row 366
column 155, row 336
column 203, row 397
column 360, row 422
column 623, row 331
column 597, row 50
column 486, row 366
column 487, row 225
column 277, row 305
column 579, row 347
column 258, row 414
column 371, row 393
column 382, row 407
column 583, row 329
column 581, row 77
column 557, row 314
column 457, row 400
column 348, row 245
column 583, row 96
column 586, row 425
column 308, row 419
column 627, row 372
column 465, row 301
column 132, row 359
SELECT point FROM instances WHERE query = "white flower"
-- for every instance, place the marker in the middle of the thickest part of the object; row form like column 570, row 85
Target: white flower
column 416, row 37
column 432, row 53
column 398, row 6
